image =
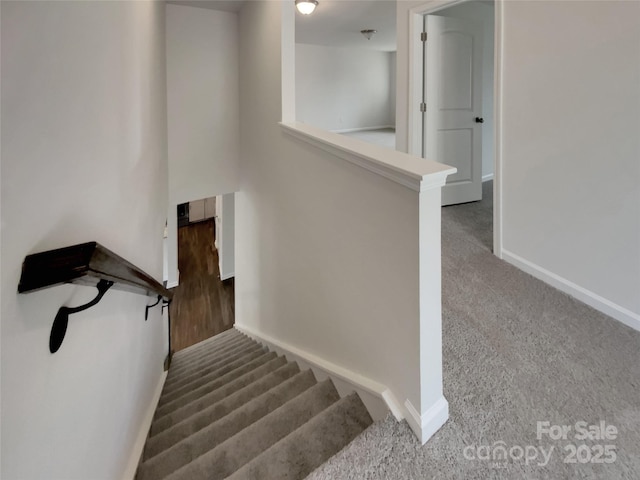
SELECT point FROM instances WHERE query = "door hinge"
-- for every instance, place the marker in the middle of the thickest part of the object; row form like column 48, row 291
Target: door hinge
column 423, row 107
column 423, row 36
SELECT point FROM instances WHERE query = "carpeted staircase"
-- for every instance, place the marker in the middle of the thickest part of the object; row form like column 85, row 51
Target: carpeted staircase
column 232, row 409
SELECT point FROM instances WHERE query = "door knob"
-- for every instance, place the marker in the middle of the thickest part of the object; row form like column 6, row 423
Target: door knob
column 479, row 120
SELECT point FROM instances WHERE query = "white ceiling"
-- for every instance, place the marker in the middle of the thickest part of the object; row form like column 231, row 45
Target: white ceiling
column 337, row 23
column 224, row 5
column 334, row 23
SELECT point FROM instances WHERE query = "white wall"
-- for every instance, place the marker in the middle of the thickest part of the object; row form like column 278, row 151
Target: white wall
column 83, row 158
column 225, row 234
column 403, row 23
column 392, row 87
column 482, row 13
column 329, row 255
column 202, row 102
column 343, row 88
column 571, row 148
column 570, row 145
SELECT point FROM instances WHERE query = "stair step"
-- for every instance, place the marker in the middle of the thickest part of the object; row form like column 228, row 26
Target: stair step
column 308, row 447
column 238, row 450
column 231, row 409
column 200, row 420
column 226, row 427
column 209, row 355
column 214, row 384
column 210, row 365
column 238, row 360
column 216, row 341
column 167, row 421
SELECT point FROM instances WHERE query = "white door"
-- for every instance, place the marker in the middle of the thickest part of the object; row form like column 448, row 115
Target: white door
column 453, row 97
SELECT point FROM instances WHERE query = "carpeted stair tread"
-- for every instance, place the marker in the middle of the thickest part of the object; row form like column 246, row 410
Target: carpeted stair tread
column 232, row 409
column 209, row 353
column 212, row 355
column 238, row 450
column 194, row 383
column 206, row 360
column 308, row 447
column 216, row 433
column 210, row 365
column 215, row 340
column 200, row 420
column 205, row 401
column 214, row 384
column 209, row 344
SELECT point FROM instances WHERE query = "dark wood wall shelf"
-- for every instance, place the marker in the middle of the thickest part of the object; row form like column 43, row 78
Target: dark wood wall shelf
column 85, row 264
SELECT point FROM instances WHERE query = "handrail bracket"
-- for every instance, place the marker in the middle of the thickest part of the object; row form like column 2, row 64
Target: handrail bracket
column 59, row 327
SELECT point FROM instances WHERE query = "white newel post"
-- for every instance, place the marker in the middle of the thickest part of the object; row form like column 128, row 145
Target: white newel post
column 434, row 409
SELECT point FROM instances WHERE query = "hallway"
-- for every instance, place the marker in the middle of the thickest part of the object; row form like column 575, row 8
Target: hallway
column 203, row 305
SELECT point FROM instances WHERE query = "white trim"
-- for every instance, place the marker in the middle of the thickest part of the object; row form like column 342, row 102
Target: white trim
column 498, row 177
column 176, row 282
column 358, row 381
column 414, row 131
column 416, row 59
column 487, row 177
column 143, row 433
column 416, row 63
column 227, row 276
column 362, row 129
column 425, row 425
column 592, row 299
column 415, row 173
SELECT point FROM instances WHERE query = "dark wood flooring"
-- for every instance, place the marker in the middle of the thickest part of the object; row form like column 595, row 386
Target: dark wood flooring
column 203, row 305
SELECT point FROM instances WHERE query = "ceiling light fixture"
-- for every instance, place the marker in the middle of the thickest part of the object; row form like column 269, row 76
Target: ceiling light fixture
column 306, row 7
column 368, row 33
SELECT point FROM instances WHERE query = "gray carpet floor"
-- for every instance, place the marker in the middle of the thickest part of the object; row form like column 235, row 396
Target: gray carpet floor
column 516, row 352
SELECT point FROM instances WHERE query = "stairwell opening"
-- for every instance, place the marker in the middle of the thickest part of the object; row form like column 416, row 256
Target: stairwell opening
column 204, row 301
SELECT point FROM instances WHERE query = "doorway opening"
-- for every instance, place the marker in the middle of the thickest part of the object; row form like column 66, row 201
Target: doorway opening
column 458, row 121
column 204, row 302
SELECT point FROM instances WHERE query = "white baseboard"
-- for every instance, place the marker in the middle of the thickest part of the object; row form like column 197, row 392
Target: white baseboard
column 425, row 425
column 138, row 446
column 592, row 299
column 365, row 387
column 362, row 129
column 487, row 177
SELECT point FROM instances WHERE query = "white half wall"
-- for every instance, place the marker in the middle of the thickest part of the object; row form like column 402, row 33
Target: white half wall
column 83, row 107
column 343, row 88
column 203, row 103
column 337, row 262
